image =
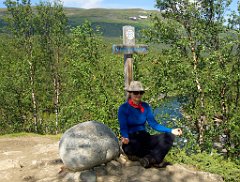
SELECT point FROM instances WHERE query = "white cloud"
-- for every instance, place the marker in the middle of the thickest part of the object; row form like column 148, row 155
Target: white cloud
column 82, row 3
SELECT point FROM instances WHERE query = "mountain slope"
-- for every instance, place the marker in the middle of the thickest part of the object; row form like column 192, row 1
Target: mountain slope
column 109, row 20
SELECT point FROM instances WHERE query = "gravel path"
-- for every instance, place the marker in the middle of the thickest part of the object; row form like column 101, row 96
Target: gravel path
column 36, row 159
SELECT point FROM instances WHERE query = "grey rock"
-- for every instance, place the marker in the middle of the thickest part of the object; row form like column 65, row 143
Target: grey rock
column 88, row 176
column 133, row 171
column 100, row 170
column 109, row 178
column 87, row 145
column 114, row 168
column 114, row 163
column 132, row 163
column 70, row 176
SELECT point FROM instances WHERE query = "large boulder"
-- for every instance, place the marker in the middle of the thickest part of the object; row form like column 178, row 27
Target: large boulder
column 87, row 145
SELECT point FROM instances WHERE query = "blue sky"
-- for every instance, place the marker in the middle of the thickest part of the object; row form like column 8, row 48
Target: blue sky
column 145, row 4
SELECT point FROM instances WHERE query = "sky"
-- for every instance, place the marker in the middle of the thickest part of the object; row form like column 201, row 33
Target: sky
column 144, row 4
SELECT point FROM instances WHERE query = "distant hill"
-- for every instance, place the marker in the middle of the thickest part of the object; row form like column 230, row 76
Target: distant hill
column 110, row 20
column 2, row 23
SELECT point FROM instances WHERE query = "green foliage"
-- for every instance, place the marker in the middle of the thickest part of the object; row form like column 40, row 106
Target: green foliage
column 94, row 85
column 15, row 99
column 213, row 163
column 201, row 63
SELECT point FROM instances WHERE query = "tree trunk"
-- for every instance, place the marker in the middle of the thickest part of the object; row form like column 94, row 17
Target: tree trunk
column 32, row 83
column 238, row 87
column 238, row 80
column 237, row 94
column 200, row 122
column 56, row 89
column 34, row 102
column 223, row 103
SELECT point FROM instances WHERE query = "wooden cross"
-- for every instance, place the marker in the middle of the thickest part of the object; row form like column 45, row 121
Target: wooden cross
column 128, row 48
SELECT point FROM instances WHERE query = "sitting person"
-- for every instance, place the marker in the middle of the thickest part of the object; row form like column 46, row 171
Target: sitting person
column 137, row 143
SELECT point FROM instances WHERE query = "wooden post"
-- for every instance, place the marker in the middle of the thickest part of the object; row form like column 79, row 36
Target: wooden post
column 128, row 71
column 128, row 40
column 128, row 48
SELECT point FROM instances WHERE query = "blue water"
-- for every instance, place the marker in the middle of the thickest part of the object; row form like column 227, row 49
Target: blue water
column 169, row 111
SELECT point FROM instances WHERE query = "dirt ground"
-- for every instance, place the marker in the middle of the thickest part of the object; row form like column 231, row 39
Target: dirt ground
column 36, row 159
column 28, row 159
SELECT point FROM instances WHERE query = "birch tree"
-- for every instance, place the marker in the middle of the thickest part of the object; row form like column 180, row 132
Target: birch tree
column 192, row 28
column 21, row 23
column 52, row 23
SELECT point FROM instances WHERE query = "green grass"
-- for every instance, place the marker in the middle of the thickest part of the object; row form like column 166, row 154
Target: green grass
column 24, row 134
column 214, row 163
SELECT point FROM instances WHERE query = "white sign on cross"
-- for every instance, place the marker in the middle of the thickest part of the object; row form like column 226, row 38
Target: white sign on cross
column 128, row 48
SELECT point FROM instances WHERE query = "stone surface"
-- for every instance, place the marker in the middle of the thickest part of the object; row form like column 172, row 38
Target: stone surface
column 88, row 176
column 109, row 178
column 45, row 166
column 87, row 145
column 114, row 168
column 100, row 170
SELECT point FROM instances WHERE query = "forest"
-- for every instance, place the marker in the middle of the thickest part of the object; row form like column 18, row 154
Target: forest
column 54, row 76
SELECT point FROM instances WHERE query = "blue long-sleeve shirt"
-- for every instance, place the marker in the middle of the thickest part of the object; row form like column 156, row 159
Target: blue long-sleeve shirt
column 132, row 119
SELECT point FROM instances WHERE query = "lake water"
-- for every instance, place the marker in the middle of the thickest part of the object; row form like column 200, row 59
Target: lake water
column 169, row 111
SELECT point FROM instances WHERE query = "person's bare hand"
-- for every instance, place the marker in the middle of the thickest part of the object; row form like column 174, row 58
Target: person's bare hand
column 125, row 140
column 177, row 131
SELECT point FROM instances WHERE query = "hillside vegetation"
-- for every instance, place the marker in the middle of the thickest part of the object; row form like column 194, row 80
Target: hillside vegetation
column 55, row 74
column 110, row 21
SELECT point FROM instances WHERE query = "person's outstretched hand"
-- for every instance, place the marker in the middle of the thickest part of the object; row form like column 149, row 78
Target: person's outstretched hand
column 125, row 140
column 177, row 131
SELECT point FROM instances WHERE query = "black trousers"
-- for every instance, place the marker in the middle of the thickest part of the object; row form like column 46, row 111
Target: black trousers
column 143, row 144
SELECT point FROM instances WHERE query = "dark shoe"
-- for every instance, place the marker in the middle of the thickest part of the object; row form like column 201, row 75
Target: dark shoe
column 144, row 162
column 133, row 157
column 162, row 165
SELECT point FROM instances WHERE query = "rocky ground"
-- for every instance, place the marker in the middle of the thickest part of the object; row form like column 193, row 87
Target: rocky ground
column 36, row 159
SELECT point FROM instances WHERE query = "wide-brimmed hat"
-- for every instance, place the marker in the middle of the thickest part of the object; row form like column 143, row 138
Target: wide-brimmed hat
column 135, row 86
